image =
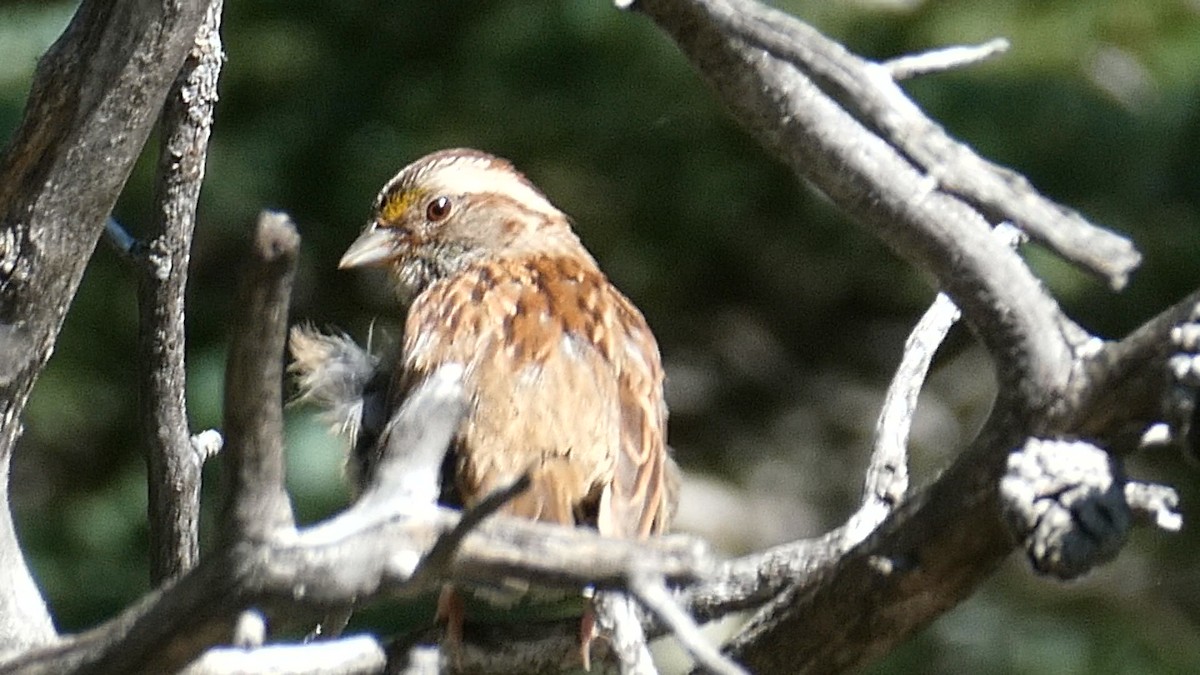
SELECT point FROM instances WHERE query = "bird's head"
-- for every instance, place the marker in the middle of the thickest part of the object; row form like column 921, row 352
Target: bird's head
column 453, row 208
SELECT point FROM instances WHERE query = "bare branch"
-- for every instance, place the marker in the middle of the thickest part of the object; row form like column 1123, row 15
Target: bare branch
column 651, row 591
column 434, row 563
column 93, row 101
column 874, row 181
column 257, row 503
column 932, row 550
column 359, row 655
column 1066, row 504
column 617, row 619
column 944, row 59
column 173, row 472
column 869, row 88
column 887, row 474
column 750, row 581
column 1121, row 391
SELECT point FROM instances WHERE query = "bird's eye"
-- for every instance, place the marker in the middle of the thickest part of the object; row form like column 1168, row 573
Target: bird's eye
column 438, row 209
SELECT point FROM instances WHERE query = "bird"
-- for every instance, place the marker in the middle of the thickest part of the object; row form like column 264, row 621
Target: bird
column 562, row 372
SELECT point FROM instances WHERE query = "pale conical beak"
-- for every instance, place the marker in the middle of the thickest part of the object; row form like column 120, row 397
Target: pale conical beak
column 373, row 247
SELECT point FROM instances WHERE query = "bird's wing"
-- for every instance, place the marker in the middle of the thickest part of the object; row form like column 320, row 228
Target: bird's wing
column 641, row 496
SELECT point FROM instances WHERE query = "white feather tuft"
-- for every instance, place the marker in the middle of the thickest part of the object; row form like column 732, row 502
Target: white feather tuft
column 332, row 373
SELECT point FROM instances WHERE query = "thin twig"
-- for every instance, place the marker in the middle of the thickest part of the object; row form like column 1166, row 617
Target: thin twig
column 944, row 59
column 887, row 474
column 434, row 563
column 651, row 590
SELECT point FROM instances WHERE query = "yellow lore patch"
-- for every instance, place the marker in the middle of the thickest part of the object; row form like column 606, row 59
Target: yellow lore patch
column 395, row 204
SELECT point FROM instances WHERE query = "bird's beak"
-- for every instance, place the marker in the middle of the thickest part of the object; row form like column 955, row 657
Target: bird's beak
column 374, row 247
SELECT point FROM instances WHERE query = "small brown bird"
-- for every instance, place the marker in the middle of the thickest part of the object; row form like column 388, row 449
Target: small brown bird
column 563, row 374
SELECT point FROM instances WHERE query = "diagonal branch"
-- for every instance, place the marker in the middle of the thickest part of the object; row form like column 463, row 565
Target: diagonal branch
column 652, row 592
column 752, row 580
column 433, row 565
column 870, row 90
column 819, row 108
column 792, row 116
column 1121, row 389
column 414, row 444
column 887, row 473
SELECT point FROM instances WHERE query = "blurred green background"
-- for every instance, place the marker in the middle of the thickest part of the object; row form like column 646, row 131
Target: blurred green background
column 779, row 319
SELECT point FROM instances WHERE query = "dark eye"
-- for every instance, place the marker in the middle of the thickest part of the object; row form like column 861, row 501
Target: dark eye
column 438, row 209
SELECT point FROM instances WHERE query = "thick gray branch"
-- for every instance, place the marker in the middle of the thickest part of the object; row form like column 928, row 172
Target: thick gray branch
column 902, row 203
column 1122, row 384
column 257, row 502
column 869, row 90
column 355, row 557
column 95, row 96
column 819, row 108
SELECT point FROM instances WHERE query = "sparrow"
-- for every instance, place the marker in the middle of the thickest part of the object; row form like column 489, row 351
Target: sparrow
column 563, row 374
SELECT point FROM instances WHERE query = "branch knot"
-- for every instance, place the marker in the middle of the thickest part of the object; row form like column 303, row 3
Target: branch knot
column 1065, row 502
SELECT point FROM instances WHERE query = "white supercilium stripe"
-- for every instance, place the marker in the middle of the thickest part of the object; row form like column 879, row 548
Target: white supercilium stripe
column 472, row 175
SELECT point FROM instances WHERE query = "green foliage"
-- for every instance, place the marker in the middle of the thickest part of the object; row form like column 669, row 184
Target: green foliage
column 752, row 281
